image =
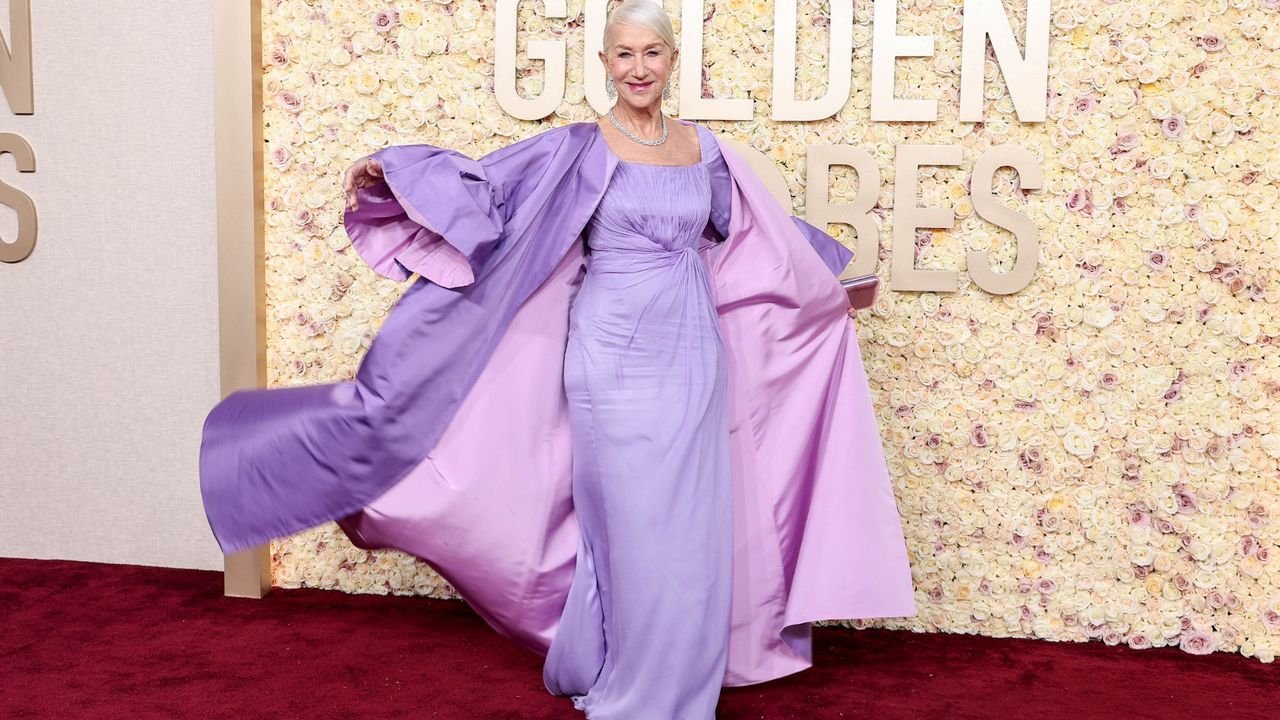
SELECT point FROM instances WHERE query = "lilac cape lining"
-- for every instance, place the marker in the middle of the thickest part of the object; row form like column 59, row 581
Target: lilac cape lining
column 452, row 442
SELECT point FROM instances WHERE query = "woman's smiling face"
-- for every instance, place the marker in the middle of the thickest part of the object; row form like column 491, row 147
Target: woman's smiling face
column 640, row 64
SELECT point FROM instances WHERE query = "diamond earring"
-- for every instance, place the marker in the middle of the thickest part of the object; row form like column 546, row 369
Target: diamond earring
column 666, row 91
column 609, row 88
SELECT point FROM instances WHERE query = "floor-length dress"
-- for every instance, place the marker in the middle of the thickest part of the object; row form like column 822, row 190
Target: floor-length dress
column 645, row 628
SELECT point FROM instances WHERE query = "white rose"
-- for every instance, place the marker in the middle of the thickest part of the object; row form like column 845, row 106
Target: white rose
column 1078, row 442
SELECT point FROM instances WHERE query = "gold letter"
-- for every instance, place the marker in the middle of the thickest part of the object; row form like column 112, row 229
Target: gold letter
column 907, row 217
column 839, row 63
column 886, row 47
column 1027, row 76
column 551, row 52
column 692, row 105
column 15, row 65
column 984, row 203
column 818, row 208
column 25, row 159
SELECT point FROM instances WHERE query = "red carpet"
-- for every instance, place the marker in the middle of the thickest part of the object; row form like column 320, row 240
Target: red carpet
column 86, row 640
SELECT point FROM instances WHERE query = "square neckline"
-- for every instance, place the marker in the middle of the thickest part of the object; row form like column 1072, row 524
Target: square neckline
column 702, row 149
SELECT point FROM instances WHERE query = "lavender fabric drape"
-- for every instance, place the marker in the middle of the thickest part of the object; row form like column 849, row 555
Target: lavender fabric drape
column 453, row 441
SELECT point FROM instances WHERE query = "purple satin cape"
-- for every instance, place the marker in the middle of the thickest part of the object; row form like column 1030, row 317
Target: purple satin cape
column 452, row 442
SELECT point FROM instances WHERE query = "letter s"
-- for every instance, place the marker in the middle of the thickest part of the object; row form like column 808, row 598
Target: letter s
column 25, row 158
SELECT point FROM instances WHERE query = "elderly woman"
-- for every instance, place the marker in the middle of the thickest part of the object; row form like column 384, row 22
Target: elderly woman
column 622, row 409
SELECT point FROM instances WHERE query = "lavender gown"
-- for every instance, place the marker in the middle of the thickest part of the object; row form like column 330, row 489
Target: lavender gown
column 460, row 438
column 645, row 629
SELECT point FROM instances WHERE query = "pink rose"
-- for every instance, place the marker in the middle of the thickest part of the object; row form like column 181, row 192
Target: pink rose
column 1249, row 546
column 1079, row 201
column 383, row 20
column 1128, row 140
column 1198, row 642
column 290, row 101
column 1271, row 619
column 978, row 435
column 1212, row 42
column 1139, row 517
column 281, row 156
column 1173, row 126
column 1089, row 271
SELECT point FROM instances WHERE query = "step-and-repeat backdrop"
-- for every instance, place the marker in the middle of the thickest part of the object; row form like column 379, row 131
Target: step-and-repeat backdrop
column 1075, row 357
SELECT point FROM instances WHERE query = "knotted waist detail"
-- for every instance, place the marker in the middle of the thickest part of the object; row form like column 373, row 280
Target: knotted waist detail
column 631, row 260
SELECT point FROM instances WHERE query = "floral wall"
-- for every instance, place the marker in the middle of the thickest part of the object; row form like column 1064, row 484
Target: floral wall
column 1094, row 457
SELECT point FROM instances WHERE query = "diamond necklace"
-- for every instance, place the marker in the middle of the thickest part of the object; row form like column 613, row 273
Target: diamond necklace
column 640, row 140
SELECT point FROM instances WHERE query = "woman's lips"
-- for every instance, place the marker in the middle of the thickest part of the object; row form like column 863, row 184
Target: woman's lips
column 639, row 87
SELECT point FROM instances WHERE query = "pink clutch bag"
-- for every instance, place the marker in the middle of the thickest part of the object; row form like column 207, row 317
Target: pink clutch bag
column 861, row 290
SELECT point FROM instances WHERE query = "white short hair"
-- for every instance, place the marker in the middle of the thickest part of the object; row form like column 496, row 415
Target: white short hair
column 645, row 13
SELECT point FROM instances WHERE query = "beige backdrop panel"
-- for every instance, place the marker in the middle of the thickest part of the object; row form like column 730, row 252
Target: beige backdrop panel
column 110, row 356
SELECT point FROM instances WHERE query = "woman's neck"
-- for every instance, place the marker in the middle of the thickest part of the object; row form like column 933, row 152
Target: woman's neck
column 645, row 121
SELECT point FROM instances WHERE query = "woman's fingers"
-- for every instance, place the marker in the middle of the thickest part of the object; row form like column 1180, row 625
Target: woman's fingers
column 362, row 173
column 352, row 181
column 349, row 185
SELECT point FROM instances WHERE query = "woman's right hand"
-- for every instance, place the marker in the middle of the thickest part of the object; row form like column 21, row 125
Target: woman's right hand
column 362, row 173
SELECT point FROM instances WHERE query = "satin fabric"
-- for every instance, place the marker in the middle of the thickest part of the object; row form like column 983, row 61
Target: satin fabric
column 453, row 441
column 645, row 628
